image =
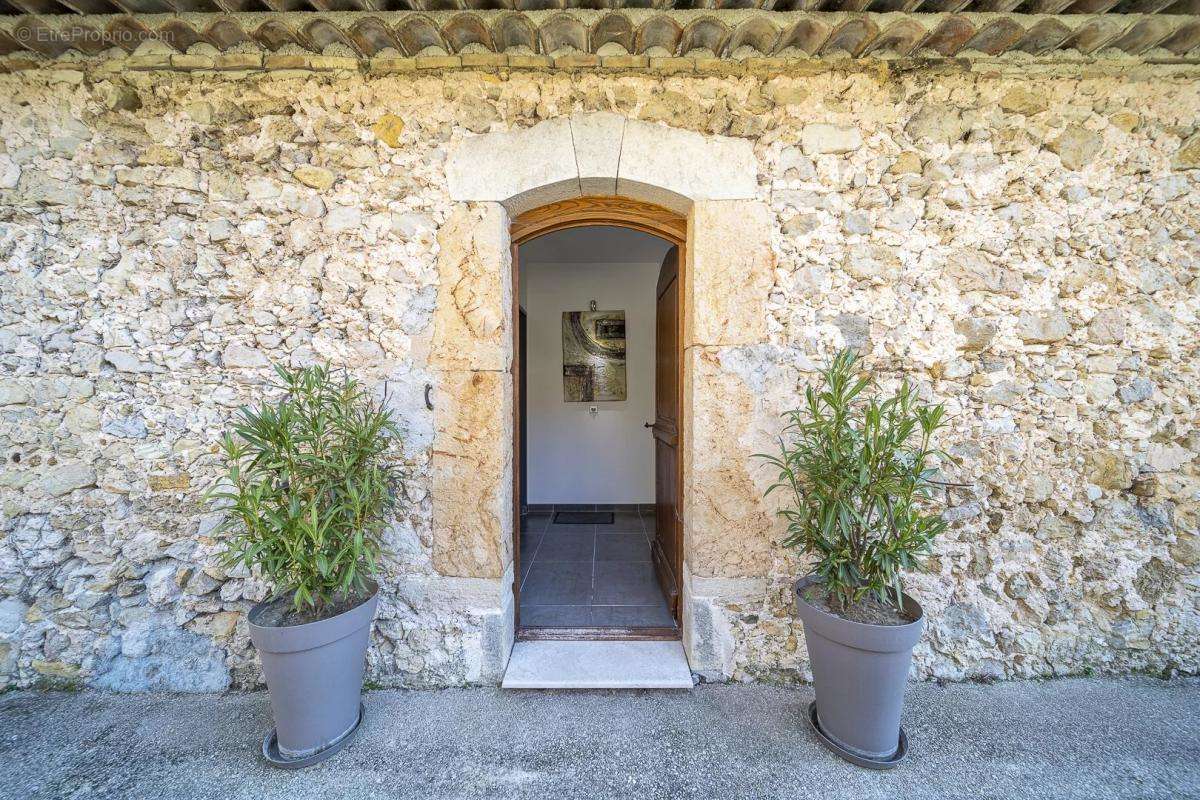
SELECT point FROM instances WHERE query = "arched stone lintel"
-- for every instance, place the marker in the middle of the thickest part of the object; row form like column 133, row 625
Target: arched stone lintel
column 600, row 153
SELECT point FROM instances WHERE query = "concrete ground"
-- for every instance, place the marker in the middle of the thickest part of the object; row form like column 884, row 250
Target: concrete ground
column 1083, row 738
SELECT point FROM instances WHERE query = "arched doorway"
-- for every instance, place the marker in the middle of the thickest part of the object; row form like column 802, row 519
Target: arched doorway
column 664, row 526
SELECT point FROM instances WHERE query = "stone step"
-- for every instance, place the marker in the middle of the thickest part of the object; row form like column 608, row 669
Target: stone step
column 598, row 665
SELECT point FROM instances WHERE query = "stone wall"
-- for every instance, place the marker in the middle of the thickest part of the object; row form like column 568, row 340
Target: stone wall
column 1019, row 240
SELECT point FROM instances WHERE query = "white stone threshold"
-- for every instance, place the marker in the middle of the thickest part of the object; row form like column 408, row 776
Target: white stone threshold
column 597, row 665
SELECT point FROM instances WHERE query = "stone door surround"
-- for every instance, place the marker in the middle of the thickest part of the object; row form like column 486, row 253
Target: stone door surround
column 709, row 180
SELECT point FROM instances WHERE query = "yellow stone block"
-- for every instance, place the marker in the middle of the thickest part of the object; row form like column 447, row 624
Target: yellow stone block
column 331, row 63
column 385, row 66
column 625, row 62
column 485, row 60
column 529, row 62
column 729, row 526
column 169, row 483
column 388, row 130
column 472, row 474
column 277, row 61
column 238, row 61
column 55, row 669
column 184, row 61
column 731, row 268
column 672, row 65
column 439, row 62
column 576, row 61
column 148, row 62
column 471, row 323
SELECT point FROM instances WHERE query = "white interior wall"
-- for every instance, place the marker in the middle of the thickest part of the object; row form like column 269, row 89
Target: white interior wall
column 574, row 457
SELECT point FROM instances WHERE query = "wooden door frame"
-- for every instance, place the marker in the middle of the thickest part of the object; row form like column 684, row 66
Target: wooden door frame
column 581, row 212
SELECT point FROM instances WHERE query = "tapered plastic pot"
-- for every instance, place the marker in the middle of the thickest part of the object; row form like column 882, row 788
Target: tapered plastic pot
column 859, row 675
column 314, row 673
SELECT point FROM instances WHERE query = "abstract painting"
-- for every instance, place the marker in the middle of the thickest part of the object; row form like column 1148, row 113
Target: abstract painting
column 593, row 355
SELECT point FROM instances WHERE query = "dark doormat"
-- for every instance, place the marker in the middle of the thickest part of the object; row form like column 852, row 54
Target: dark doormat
column 583, row 518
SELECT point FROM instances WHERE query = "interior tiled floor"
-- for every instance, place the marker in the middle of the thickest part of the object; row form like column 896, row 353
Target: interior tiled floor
column 590, row 576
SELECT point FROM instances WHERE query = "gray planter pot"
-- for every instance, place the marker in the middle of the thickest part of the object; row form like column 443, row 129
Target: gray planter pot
column 314, row 674
column 859, row 674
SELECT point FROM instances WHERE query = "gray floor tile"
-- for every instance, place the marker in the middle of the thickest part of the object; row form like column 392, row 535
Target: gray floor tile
column 622, row 547
column 626, row 583
column 655, row 616
column 581, row 517
column 567, row 547
column 558, row 583
column 534, row 523
column 555, row 616
column 529, row 545
column 557, row 528
column 590, row 575
column 623, row 523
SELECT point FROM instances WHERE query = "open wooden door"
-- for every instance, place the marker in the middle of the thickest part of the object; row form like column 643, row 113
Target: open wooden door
column 518, row 428
column 667, row 547
column 522, row 405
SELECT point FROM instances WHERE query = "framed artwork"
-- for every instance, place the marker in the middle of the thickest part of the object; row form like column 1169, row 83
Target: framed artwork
column 593, row 356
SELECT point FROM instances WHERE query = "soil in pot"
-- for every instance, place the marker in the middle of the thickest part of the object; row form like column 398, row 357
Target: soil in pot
column 281, row 612
column 869, row 610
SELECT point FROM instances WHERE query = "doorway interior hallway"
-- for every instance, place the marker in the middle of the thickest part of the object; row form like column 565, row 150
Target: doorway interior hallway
column 595, row 378
column 590, row 576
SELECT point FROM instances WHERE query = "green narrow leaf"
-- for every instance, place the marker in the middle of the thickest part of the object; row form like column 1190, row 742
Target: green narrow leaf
column 854, row 480
column 308, row 484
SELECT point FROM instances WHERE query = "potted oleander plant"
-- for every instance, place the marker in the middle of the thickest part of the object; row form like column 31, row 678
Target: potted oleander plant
column 858, row 473
column 310, row 486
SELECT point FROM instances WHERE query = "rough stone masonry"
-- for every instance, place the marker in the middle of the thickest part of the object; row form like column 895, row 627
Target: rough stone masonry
column 1019, row 239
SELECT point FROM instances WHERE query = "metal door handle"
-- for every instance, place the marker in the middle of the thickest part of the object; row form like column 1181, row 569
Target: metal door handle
column 647, row 424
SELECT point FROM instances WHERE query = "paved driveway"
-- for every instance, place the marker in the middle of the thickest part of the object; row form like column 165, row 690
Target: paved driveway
column 1085, row 738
